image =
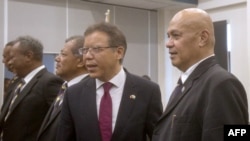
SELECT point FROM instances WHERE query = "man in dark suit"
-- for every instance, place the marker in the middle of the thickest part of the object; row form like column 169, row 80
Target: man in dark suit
column 210, row 96
column 12, row 82
column 133, row 104
column 23, row 113
column 70, row 66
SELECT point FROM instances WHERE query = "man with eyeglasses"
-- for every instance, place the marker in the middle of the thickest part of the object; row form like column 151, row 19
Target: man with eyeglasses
column 113, row 104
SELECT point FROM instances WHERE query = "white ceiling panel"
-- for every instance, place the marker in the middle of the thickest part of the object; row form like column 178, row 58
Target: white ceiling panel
column 145, row 4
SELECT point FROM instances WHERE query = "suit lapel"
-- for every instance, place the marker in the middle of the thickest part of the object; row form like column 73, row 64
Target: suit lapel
column 200, row 69
column 48, row 119
column 6, row 107
column 186, row 88
column 7, row 101
column 11, row 87
column 87, row 96
column 87, row 106
column 27, row 88
column 126, row 107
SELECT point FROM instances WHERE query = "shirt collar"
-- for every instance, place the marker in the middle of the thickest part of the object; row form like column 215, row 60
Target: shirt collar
column 76, row 79
column 116, row 80
column 187, row 73
column 30, row 75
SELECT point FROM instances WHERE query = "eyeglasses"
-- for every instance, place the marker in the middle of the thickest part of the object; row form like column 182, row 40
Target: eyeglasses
column 92, row 50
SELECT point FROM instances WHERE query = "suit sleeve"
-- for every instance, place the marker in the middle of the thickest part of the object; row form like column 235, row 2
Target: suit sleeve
column 226, row 104
column 155, row 110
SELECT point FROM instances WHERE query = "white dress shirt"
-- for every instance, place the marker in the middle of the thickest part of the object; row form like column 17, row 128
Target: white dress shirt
column 116, row 91
column 186, row 74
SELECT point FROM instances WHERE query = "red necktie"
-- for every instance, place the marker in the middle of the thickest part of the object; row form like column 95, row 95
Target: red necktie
column 105, row 113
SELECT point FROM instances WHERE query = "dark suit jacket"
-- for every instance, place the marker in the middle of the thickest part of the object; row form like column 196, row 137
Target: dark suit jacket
column 11, row 87
column 212, row 97
column 135, row 119
column 48, row 130
column 30, row 107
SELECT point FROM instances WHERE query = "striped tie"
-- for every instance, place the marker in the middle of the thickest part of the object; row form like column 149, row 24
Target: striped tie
column 59, row 98
column 15, row 95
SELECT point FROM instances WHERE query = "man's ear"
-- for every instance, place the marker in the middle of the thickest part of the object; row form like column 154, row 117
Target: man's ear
column 80, row 63
column 204, row 37
column 29, row 54
column 120, row 52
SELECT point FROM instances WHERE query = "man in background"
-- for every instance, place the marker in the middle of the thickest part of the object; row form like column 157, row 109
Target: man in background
column 70, row 66
column 23, row 113
column 207, row 96
column 9, row 83
column 6, row 54
column 112, row 105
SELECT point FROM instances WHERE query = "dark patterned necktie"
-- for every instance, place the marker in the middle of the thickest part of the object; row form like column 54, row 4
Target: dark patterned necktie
column 59, row 98
column 105, row 113
column 176, row 93
column 15, row 95
column 13, row 79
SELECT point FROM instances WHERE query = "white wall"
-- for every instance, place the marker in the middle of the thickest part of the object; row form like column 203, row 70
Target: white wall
column 45, row 21
column 1, row 41
column 235, row 12
column 248, row 47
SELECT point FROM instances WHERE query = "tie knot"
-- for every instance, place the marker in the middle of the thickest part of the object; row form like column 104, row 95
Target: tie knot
column 13, row 79
column 64, row 86
column 107, row 86
column 179, row 82
column 21, row 83
column 19, row 86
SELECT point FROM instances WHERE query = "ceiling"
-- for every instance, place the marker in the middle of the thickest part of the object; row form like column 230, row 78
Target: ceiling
column 143, row 4
column 150, row 4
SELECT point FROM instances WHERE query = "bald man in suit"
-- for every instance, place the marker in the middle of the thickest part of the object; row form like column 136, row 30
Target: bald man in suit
column 210, row 96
